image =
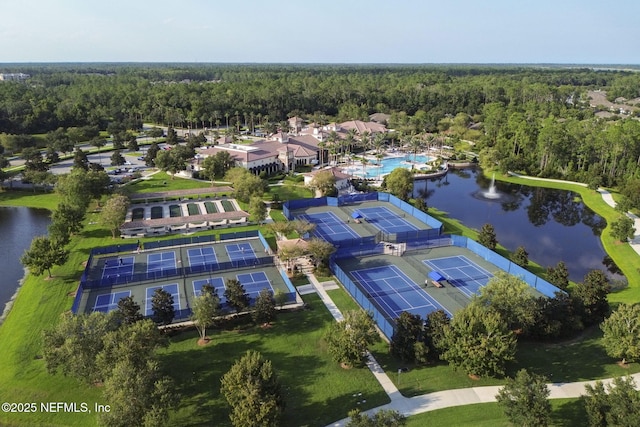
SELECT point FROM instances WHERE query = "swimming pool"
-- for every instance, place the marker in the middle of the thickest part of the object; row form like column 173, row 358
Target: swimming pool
column 373, row 170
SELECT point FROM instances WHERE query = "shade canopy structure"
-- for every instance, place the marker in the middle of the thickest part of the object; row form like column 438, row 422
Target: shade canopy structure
column 434, row 275
column 356, row 215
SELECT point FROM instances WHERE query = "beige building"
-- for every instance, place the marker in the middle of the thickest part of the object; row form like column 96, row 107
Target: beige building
column 283, row 151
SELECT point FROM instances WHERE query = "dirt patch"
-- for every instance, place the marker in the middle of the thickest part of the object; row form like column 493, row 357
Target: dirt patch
column 203, row 342
column 72, row 294
column 266, row 326
column 623, row 364
column 345, row 366
column 474, row 377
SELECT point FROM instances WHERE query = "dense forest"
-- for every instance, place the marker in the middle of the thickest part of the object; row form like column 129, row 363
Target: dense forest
column 538, row 120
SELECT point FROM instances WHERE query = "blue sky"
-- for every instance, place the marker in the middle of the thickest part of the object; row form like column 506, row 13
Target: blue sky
column 322, row 31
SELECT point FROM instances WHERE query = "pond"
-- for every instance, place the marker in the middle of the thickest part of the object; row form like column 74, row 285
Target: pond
column 552, row 225
column 18, row 226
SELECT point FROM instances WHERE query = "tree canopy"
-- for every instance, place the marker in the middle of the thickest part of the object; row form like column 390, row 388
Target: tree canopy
column 479, row 342
column 400, row 183
column 43, row 254
column 524, row 400
column 348, row 341
column 621, row 330
column 252, row 389
column 114, row 213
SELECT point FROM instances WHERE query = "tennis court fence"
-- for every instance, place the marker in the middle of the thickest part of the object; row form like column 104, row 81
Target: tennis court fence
column 383, row 323
column 487, row 254
column 125, row 279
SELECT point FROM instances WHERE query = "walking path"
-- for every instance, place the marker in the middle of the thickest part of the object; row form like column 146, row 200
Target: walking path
column 466, row 396
column 440, row 399
column 606, row 197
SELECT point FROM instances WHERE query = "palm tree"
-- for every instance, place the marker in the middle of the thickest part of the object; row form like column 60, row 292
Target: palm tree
column 226, row 116
column 333, row 138
column 379, row 156
column 415, row 145
column 378, row 142
column 350, row 140
column 365, row 140
column 321, row 146
column 364, row 162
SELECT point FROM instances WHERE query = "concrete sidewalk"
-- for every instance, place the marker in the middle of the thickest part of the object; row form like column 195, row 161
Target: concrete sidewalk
column 440, row 399
column 386, row 383
column 469, row 396
column 635, row 242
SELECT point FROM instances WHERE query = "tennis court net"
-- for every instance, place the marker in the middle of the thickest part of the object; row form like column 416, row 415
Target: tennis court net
column 391, row 291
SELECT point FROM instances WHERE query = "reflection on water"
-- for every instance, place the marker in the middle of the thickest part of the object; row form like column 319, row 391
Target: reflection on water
column 17, row 227
column 553, row 225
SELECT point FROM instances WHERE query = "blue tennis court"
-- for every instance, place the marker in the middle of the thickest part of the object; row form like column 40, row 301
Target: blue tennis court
column 461, row 272
column 118, row 267
column 241, row 254
column 255, row 282
column 394, row 292
column 386, row 220
column 200, row 257
column 216, row 282
column 172, row 289
column 329, row 227
column 108, row 302
column 161, row 262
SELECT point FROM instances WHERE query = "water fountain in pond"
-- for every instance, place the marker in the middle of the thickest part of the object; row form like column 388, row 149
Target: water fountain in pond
column 492, row 193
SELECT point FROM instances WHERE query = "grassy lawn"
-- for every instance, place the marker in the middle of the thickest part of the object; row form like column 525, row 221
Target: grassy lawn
column 317, row 391
column 623, row 255
column 564, row 412
column 29, row 199
column 579, row 359
column 288, row 192
column 23, row 375
column 162, row 182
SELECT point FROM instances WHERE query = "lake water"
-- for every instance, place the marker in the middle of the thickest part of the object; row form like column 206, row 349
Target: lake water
column 17, row 227
column 552, row 225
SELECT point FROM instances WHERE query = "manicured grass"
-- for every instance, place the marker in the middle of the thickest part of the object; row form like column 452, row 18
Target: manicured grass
column 277, row 215
column 288, row 192
column 162, row 182
column 564, row 412
column 29, row 199
column 579, row 359
column 317, row 391
column 40, row 302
